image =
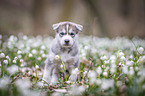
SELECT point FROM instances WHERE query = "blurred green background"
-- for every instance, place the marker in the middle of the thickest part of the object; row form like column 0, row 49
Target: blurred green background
column 101, row 18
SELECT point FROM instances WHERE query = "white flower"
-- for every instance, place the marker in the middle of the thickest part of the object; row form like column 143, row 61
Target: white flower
column 84, row 73
column 106, row 84
column 140, row 50
column 4, row 82
column 98, row 81
column 61, row 66
column 36, row 66
column 43, row 55
column 19, row 56
column 5, row 61
column 23, row 84
column 105, row 74
column 14, row 61
column 43, row 47
column 123, row 58
column 81, row 88
column 119, row 83
column 113, row 57
column 112, row 70
column 125, row 69
column 99, row 70
column 131, row 71
column 129, row 63
column 34, row 51
column 103, row 57
column 8, row 58
column 57, row 57
column 19, row 52
column 30, row 55
column 21, row 60
column 15, row 58
column 25, row 37
column 2, row 55
column 120, row 53
column 12, row 69
column 39, row 58
column 106, row 61
column 75, row 71
column 92, row 74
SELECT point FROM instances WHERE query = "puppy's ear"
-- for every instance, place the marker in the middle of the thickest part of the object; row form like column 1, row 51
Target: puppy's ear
column 79, row 27
column 55, row 26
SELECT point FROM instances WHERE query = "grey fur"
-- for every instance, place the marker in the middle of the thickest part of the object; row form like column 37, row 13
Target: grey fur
column 68, row 52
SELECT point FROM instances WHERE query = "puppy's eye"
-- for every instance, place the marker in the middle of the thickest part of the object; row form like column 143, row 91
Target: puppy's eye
column 61, row 34
column 72, row 34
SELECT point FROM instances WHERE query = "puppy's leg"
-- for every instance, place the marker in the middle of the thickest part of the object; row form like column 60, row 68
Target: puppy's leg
column 47, row 73
column 54, row 79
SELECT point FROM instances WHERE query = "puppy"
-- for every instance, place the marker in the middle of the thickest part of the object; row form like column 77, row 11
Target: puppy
column 65, row 45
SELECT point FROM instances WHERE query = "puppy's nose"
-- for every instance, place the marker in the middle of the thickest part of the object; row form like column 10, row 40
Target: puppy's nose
column 67, row 41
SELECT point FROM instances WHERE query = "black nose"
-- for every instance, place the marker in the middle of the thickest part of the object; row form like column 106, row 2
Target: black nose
column 67, row 41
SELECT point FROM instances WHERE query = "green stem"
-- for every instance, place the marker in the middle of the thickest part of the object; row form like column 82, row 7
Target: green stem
column 36, row 74
column 63, row 68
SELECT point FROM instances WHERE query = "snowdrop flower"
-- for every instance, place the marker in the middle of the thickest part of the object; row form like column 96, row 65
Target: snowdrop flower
column 36, row 66
column 5, row 61
column 98, row 81
column 92, row 74
column 57, row 57
column 61, row 66
column 106, row 61
column 119, row 83
column 136, row 68
column 105, row 74
column 106, row 84
column 120, row 54
column 43, row 55
column 19, row 56
column 39, row 58
column 43, row 47
column 12, row 69
column 112, row 70
column 113, row 57
column 34, row 51
column 99, row 70
column 84, row 73
column 75, row 71
column 23, row 85
column 25, row 37
column 19, row 52
column 14, row 61
column 30, row 55
column 140, row 50
column 131, row 71
column 2, row 55
column 122, row 58
column 131, row 56
column 4, row 82
column 81, row 88
column 103, row 57
column 21, row 60
column 41, row 52
column 8, row 58
column 129, row 63
column 15, row 58
column 125, row 69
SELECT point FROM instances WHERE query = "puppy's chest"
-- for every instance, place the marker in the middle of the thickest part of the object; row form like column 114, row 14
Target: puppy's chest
column 67, row 57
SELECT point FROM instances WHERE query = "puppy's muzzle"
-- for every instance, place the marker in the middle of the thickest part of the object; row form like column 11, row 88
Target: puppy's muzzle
column 67, row 41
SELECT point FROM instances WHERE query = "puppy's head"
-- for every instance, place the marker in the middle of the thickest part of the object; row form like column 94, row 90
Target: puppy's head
column 67, row 33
